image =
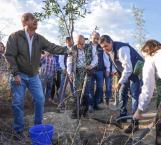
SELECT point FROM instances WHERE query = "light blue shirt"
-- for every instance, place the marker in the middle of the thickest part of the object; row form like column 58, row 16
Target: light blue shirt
column 30, row 40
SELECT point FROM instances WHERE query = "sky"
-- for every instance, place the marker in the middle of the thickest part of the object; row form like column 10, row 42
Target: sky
column 113, row 17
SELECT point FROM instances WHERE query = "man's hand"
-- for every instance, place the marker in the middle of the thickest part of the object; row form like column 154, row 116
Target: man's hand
column 71, row 78
column 137, row 115
column 88, row 67
column 17, row 80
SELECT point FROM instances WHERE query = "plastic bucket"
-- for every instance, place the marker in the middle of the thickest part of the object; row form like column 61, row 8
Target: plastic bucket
column 41, row 134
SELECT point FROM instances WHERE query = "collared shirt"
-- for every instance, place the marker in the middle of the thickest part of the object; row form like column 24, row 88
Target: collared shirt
column 30, row 40
column 107, row 63
column 81, row 60
column 94, row 56
column 48, row 65
column 61, row 59
column 151, row 69
column 125, row 58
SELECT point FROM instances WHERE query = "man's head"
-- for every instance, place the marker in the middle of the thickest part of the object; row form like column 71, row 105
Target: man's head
column 106, row 43
column 29, row 21
column 80, row 41
column 69, row 41
column 95, row 37
column 2, row 48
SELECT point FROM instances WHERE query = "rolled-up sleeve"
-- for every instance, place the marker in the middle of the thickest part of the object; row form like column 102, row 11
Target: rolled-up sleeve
column 148, row 84
column 125, row 59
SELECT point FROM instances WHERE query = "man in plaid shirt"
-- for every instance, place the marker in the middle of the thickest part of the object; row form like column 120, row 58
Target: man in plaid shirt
column 47, row 73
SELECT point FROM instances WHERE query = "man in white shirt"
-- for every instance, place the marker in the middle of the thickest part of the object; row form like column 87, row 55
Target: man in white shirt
column 63, row 65
column 103, row 67
column 85, row 60
column 124, row 58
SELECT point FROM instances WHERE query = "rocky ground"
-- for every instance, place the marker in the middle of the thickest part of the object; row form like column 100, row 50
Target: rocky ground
column 99, row 128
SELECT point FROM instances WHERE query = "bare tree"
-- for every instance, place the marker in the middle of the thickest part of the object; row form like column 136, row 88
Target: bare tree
column 140, row 34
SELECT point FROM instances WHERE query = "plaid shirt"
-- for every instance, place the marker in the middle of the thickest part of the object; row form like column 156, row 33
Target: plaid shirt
column 48, row 66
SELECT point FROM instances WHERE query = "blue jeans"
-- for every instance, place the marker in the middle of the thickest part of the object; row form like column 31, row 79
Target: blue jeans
column 135, row 89
column 98, row 94
column 47, row 82
column 18, row 92
column 108, row 83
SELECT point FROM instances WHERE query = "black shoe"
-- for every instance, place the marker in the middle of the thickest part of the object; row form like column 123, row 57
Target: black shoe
column 97, row 108
column 132, row 128
column 101, row 101
column 107, row 102
column 19, row 136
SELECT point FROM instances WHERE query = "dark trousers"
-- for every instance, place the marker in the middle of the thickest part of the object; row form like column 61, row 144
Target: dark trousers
column 56, row 84
column 79, row 81
column 135, row 88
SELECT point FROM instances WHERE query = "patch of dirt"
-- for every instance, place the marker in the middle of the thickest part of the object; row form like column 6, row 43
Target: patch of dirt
column 89, row 131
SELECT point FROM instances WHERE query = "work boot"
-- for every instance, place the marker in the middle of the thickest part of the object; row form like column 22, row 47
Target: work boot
column 18, row 136
column 107, row 102
column 97, row 108
column 134, row 126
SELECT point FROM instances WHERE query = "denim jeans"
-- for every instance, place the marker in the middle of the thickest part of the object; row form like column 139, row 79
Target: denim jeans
column 98, row 94
column 18, row 92
column 108, row 83
column 47, row 82
column 123, row 96
column 135, row 89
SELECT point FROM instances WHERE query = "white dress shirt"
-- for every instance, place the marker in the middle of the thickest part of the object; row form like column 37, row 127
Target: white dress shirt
column 61, row 59
column 106, row 61
column 151, row 69
column 94, row 61
column 125, row 58
column 29, row 43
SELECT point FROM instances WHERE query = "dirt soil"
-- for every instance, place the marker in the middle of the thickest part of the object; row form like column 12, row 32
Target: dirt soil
column 87, row 131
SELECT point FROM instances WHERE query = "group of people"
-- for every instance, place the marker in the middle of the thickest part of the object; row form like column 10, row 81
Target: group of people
column 82, row 65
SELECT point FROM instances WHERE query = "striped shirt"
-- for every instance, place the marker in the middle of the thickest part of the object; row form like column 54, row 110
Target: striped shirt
column 48, row 65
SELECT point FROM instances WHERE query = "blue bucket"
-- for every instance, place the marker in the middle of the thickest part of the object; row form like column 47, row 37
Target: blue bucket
column 41, row 134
